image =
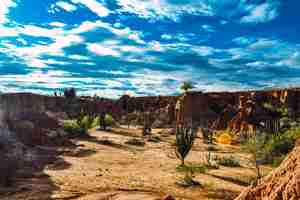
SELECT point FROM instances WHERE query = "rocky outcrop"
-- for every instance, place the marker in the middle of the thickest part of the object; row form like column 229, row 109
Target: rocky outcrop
column 283, row 183
column 194, row 107
column 239, row 112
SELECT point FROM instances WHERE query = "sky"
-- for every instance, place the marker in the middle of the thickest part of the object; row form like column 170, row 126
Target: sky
column 148, row 47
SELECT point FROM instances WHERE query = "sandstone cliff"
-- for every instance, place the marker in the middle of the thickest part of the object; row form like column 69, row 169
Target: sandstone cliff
column 283, row 183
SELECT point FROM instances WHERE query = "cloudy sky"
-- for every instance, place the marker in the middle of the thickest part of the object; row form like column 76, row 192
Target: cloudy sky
column 148, row 47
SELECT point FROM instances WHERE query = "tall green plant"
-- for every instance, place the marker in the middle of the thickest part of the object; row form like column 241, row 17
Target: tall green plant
column 255, row 147
column 185, row 137
column 186, row 86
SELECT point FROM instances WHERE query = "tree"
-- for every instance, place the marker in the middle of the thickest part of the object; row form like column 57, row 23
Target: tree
column 186, row 86
column 255, row 147
column 185, row 137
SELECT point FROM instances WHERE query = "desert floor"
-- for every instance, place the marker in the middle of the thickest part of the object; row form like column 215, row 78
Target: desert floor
column 104, row 167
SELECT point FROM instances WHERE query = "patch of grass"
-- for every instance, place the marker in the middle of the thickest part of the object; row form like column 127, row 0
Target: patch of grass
column 172, row 143
column 211, row 148
column 155, row 139
column 106, row 141
column 73, row 128
column 135, row 142
column 278, row 160
column 228, row 162
column 188, row 181
column 193, row 168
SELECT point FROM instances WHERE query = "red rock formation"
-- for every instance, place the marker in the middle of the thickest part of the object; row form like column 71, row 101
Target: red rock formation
column 283, row 183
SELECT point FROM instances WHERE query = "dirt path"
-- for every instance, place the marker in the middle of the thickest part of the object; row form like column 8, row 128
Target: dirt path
column 104, row 167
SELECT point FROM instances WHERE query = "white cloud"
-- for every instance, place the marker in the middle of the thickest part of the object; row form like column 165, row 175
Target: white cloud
column 94, row 6
column 166, row 37
column 158, row 9
column 204, row 50
column 292, row 61
column 79, row 57
column 32, row 54
column 57, row 24
column 230, row 9
column 8, row 32
column 5, row 5
column 66, row 6
column 208, row 28
column 262, row 13
column 102, row 50
column 264, row 43
column 242, row 40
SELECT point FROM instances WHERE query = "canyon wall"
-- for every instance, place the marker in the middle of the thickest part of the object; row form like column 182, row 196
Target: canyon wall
column 282, row 183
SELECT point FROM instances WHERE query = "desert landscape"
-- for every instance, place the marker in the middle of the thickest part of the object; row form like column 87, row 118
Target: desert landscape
column 72, row 147
column 149, row 100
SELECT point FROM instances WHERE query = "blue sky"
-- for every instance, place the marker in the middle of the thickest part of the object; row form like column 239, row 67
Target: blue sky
column 148, row 47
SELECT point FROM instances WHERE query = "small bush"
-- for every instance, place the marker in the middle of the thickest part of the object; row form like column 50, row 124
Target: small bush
column 110, row 121
column 154, row 139
column 188, row 181
column 228, row 162
column 87, row 122
column 96, row 122
column 106, row 141
column 212, row 148
column 192, row 168
column 74, row 129
column 277, row 146
column 278, row 160
column 135, row 142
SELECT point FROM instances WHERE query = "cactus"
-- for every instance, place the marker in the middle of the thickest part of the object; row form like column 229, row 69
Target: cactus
column 185, row 137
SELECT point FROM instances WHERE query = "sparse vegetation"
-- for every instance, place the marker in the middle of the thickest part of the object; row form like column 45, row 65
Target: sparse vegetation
column 155, row 139
column 135, row 142
column 186, row 86
column 211, row 148
column 74, row 128
column 192, row 168
column 255, row 147
column 185, row 137
column 188, row 181
column 228, row 161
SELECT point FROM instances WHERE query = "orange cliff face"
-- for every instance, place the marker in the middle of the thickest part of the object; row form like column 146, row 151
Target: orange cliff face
column 238, row 112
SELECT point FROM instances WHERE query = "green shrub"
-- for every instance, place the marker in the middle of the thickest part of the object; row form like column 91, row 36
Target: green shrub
column 188, row 181
column 185, row 137
column 155, row 139
column 87, row 122
column 110, row 121
column 211, row 148
column 96, row 122
column 277, row 146
column 278, row 160
column 193, row 168
column 229, row 162
column 73, row 128
column 135, row 142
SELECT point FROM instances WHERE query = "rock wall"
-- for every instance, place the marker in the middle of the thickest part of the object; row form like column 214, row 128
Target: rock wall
column 239, row 112
column 283, row 183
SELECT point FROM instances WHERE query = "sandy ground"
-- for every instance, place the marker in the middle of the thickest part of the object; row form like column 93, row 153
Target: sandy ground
column 117, row 171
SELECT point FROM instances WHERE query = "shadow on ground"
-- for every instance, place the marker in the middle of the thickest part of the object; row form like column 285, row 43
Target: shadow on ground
column 31, row 182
